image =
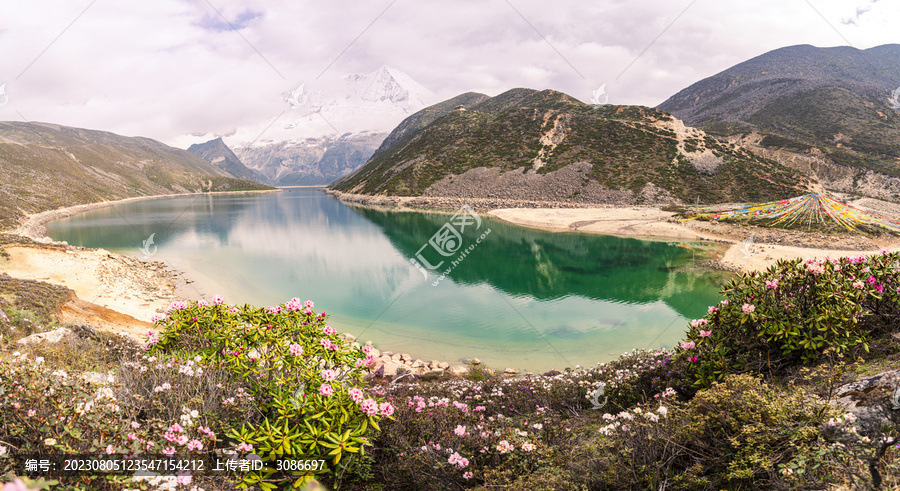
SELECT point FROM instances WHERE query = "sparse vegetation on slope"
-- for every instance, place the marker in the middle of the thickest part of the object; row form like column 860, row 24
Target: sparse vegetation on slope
column 45, row 166
column 627, row 149
column 829, row 105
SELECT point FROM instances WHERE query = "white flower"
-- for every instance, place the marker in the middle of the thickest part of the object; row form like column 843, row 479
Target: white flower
column 39, row 360
column 662, row 411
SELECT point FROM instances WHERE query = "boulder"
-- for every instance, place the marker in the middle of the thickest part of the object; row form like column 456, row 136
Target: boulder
column 347, row 337
column 374, row 352
column 389, row 369
column 511, row 371
column 53, row 336
column 388, row 353
column 869, row 399
column 396, row 357
column 405, row 357
column 473, row 361
column 444, row 365
column 458, row 370
column 3, row 317
column 434, row 364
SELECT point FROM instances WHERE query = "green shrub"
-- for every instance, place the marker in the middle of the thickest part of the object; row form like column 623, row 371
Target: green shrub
column 730, row 436
column 304, row 379
column 792, row 313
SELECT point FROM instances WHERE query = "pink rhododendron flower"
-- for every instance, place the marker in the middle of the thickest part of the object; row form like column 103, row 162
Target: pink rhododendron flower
column 858, row 285
column 688, row 345
column 467, row 475
column 772, row 284
column 386, row 409
column 326, row 390
column 504, row 446
column 712, row 309
column 369, row 407
column 329, row 330
column 694, row 359
column 748, row 308
column 202, row 303
column 309, row 304
column 218, row 300
column 460, row 430
column 296, row 349
column 168, row 451
column 356, row 395
column 705, row 334
column 329, row 375
column 871, row 280
column 244, row 447
column 698, row 322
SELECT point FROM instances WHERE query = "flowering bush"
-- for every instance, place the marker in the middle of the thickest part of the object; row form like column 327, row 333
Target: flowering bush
column 793, row 312
column 305, row 380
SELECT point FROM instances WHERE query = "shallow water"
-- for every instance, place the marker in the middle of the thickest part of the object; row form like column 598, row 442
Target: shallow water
column 519, row 297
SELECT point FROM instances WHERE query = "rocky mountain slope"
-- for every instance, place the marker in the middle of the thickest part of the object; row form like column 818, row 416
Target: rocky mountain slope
column 531, row 145
column 218, row 154
column 825, row 107
column 46, row 166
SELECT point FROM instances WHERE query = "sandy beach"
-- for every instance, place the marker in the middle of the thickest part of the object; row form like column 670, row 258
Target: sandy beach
column 743, row 252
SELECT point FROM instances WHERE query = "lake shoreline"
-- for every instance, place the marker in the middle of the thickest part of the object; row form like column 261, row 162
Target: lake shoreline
column 151, row 285
column 32, row 226
column 744, row 252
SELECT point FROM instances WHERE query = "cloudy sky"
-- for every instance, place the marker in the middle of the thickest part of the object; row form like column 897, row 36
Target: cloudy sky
column 169, row 68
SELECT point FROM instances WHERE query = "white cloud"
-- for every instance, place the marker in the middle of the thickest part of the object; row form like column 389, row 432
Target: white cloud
column 170, row 68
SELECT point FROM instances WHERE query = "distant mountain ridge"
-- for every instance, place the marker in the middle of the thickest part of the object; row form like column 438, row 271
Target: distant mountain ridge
column 218, row 154
column 47, row 166
column 329, row 129
column 313, row 161
column 545, row 145
column 829, row 107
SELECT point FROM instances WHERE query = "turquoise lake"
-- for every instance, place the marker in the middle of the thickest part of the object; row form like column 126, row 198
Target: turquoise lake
column 517, row 297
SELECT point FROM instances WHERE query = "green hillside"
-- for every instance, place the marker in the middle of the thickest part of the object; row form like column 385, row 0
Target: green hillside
column 532, row 132
column 46, row 166
column 829, row 103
